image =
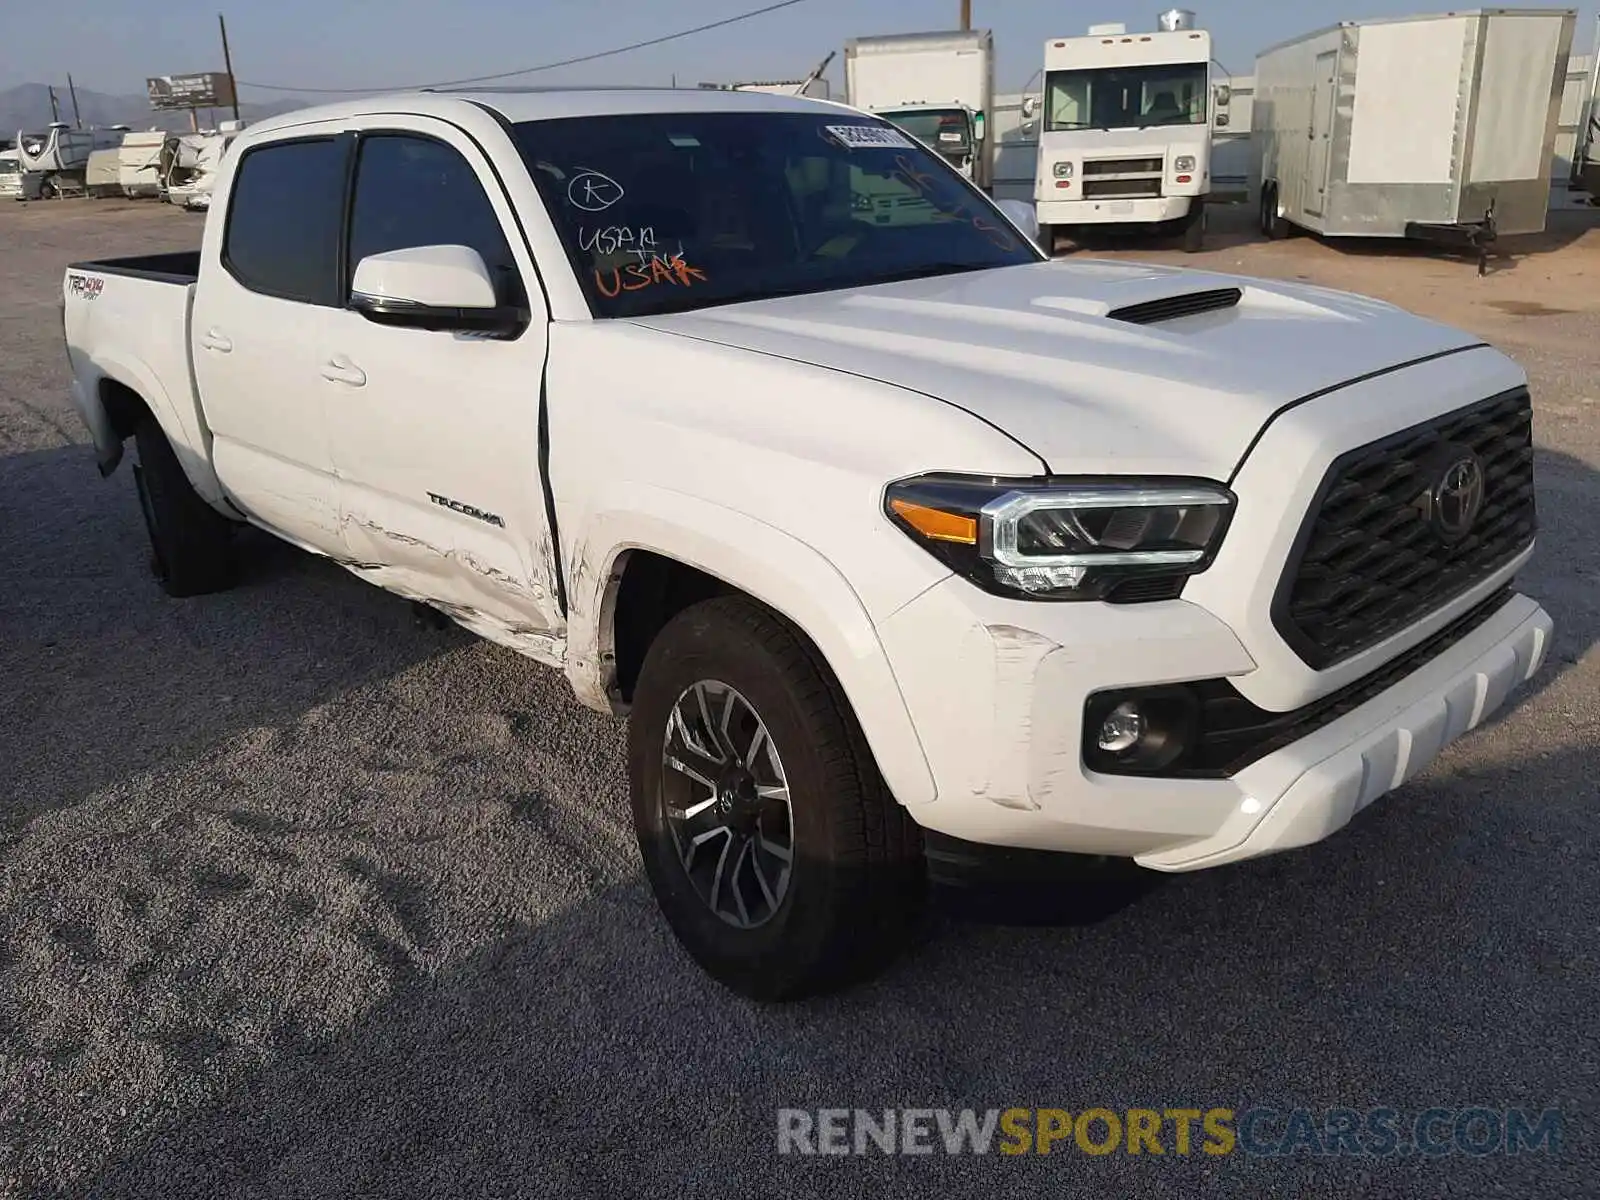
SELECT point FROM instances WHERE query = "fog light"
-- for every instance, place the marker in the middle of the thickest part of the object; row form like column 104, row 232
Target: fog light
column 1122, row 729
column 1140, row 731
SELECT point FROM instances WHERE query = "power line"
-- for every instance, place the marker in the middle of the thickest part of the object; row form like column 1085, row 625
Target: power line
column 549, row 66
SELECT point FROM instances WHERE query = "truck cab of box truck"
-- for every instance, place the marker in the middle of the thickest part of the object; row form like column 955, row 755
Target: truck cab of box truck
column 937, row 87
column 1125, row 130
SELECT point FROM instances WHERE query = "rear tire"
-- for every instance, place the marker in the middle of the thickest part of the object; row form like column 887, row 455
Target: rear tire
column 1194, row 232
column 820, row 869
column 1274, row 226
column 191, row 544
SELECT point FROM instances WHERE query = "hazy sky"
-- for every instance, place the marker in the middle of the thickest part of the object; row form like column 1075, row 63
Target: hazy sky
column 111, row 45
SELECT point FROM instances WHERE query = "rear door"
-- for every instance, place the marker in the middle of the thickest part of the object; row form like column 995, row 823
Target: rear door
column 1323, row 99
column 435, row 435
column 266, row 293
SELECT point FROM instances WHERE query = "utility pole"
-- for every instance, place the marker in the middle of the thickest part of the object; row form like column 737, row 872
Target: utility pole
column 227, row 61
column 55, row 107
column 77, row 117
column 966, row 14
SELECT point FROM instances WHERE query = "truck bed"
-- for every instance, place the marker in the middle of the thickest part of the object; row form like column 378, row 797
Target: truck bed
column 127, row 325
column 181, row 266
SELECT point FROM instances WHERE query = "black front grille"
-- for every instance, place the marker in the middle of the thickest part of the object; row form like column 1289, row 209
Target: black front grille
column 1373, row 557
column 1123, row 166
column 1121, row 187
column 1170, row 308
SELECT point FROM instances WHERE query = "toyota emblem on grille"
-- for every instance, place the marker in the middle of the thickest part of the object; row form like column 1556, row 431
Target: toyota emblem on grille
column 1458, row 498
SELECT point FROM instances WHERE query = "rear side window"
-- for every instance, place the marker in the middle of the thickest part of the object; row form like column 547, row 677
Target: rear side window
column 287, row 205
column 412, row 191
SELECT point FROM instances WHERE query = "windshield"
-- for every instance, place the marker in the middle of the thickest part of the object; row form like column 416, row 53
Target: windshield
column 1126, row 97
column 948, row 130
column 662, row 212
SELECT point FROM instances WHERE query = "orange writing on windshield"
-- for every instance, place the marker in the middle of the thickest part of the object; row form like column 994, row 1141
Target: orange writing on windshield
column 635, row 277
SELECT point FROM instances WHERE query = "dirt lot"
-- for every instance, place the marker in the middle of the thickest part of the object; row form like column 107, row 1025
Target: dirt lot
column 300, row 899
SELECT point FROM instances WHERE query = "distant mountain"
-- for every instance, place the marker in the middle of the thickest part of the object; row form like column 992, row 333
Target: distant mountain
column 28, row 107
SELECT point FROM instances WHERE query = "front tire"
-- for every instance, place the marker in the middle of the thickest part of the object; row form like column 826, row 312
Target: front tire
column 191, row 544
column 1194, row 231
column 775, row 851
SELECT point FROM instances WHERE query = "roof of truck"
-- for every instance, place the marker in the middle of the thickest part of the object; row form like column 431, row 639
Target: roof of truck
column 546, row 103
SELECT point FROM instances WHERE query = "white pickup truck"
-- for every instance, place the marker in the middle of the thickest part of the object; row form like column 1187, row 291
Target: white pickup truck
column 904, row 548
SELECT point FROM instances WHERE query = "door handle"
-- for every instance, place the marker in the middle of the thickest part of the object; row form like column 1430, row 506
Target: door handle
column 215, row 339
column 340, row 369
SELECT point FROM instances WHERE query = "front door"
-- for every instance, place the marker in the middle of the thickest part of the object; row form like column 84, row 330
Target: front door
column 435, row 435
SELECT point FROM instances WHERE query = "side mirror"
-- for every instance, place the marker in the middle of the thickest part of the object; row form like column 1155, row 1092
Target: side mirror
column 432, row 287
column 979, row 124
column 1224, row 94
column 1030, row 105
column 1023, row 215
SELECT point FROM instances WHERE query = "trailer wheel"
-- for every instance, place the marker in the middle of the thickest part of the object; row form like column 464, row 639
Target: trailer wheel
column 191, row 544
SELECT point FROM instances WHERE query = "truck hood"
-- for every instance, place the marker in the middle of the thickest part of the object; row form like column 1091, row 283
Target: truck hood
column 1032, row 351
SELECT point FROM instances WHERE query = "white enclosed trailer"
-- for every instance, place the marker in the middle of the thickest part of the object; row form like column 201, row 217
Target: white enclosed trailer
column 938, row 87
column 102, row 176
column 1434, row 127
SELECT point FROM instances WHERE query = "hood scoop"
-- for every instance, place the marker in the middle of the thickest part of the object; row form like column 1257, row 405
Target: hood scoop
column 1170, row 308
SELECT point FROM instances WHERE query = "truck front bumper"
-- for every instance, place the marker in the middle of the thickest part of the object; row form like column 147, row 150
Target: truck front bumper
column 1001, row 709
column 1151, row 211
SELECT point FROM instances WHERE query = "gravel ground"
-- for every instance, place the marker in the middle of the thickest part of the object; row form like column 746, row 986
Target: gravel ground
column 298, row 898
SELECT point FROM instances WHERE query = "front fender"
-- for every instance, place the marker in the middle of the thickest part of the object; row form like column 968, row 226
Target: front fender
column 782, row 572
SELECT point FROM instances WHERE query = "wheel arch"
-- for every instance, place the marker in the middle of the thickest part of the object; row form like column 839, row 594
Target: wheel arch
column 679, row 549
column 112, row 401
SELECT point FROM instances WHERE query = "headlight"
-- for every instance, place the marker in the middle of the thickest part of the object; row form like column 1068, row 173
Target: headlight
column 1063, row 170
column 1184, row 162
column 1065, row 539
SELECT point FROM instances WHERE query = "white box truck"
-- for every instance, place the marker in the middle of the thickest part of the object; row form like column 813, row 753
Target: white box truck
column 1126, row 137
column 1433, row 127
column 938, row 87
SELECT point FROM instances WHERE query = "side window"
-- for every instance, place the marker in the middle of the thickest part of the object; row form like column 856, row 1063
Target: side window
column 282, row 237
column 412, row 191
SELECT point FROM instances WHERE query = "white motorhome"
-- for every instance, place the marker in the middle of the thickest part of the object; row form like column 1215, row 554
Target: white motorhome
column 15, row 183
column 190, row 164
column 1126, row 135
column 938, row 87
column 60, row 154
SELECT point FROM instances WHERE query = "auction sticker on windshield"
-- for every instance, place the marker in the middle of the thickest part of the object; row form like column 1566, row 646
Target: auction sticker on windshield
column 869, row 137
